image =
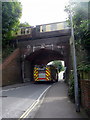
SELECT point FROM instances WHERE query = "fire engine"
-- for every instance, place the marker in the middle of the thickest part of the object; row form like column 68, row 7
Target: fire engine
column 45, row 73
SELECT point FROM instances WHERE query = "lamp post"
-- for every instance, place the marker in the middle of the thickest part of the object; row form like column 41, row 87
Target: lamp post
column 74, row 66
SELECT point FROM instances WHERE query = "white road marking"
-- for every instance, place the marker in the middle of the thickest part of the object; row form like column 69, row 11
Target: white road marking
column 13, row 88
column 9, row 89
column 33, row 105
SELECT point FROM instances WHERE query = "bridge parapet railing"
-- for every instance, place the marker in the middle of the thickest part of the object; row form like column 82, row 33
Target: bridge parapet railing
column 24, row 31
column 43, row 28
column 52, row 27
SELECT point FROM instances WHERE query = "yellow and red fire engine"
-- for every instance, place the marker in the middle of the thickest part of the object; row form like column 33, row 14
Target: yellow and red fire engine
column 45, row 73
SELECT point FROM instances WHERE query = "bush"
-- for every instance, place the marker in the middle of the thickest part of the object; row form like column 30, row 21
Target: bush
column 71, row 92
column 71, row 87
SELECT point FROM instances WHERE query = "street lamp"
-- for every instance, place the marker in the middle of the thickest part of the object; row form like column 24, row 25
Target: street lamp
column 74, row 65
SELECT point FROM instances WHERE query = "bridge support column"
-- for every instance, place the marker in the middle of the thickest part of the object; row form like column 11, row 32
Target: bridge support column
column 27, row 71
column 66, row 72
column 22, row 64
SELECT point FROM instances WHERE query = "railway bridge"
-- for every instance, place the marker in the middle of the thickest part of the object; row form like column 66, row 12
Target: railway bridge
column 43, row 44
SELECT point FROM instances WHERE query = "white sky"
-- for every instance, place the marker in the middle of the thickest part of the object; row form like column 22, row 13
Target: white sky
column 37, row 12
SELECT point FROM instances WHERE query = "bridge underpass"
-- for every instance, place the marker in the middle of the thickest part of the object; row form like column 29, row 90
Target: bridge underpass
column 44, row 55
column 41, row 47
column 41, row 57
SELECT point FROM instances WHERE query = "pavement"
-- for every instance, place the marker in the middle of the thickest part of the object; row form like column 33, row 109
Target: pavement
column 56, row 104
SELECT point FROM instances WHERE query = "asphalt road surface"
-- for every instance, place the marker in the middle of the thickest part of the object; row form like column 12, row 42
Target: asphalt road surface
column 15, row 101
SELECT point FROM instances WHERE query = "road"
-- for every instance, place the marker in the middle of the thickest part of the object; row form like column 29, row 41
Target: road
column 15, row 101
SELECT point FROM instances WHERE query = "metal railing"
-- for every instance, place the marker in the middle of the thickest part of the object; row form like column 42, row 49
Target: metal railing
column 43, row 28
column 53, row 26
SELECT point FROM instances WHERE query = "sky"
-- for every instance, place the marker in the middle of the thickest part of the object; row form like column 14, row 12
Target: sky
column 37, row 12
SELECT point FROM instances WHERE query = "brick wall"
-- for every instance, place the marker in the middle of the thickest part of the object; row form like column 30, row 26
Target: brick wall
column 85, row 94
column 11, row 69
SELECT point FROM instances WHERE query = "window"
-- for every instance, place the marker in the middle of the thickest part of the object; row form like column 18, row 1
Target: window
column 43, row 28
column 22, row 31
column 53, row 27
column 27, row 31
column 48, row 28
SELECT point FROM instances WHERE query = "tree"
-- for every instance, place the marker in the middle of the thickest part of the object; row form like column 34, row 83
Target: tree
column 11, row 12
column 81, row 32
column 24, row 24
column 59, row 65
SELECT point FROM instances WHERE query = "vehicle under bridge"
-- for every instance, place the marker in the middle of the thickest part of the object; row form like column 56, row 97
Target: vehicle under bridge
column 45, row 43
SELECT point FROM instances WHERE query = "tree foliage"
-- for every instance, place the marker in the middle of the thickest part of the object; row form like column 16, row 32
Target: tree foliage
column 11, row 12
column 81, row 25
column 59, row 65
column 24, row 24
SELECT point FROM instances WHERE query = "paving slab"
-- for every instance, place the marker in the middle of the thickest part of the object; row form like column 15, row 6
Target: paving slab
column 56, row 104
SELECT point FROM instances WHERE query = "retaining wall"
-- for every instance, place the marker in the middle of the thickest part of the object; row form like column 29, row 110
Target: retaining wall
column 85, row 95
column 11, row 69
